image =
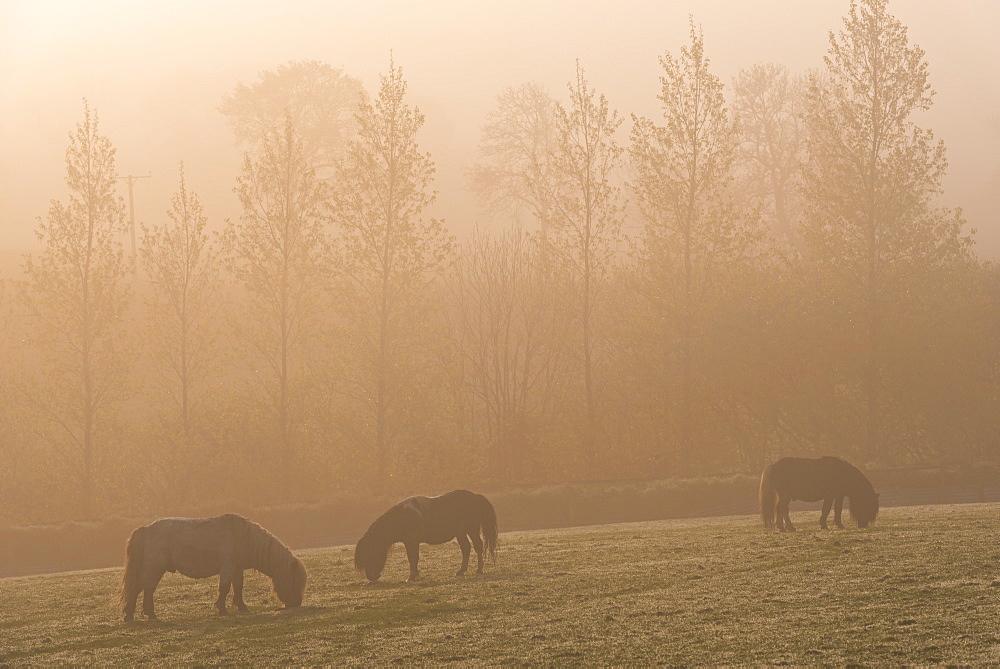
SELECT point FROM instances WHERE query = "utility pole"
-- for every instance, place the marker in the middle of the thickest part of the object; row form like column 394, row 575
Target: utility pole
column 130, row 180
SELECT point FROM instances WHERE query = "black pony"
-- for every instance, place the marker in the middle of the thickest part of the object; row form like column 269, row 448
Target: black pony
column 459, row 514
column 828, row 479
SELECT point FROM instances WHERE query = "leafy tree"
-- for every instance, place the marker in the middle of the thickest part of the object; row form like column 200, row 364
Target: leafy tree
column 182, row 338
column 873, row 227
column 693, row 234
column 586, row 215
column 277, row 250
column 390, row 254
column 319, row 101
column 76, row 299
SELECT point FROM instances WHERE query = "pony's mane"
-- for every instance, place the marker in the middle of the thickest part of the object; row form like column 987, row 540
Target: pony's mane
column 267, row 554
column 263, row 548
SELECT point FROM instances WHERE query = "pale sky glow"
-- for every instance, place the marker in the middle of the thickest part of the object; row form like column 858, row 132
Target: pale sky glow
column 156, row 71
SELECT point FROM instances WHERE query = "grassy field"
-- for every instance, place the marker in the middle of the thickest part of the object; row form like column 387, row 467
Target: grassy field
column 922, row 586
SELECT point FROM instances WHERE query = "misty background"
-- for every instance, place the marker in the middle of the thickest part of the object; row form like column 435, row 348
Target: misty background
column 530, row 307
column 157, row 73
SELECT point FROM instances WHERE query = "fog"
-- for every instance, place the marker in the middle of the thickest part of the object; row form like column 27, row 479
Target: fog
column 156, row 74
column 550, row 244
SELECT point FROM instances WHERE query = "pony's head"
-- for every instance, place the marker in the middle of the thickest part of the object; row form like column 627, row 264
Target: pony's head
column 864, row 505
column 289, row 582
column 370, row 555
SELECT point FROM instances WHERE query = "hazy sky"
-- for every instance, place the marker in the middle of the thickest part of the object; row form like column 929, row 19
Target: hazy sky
column 156, row 71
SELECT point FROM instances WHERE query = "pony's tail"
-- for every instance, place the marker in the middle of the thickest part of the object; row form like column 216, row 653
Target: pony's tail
column 768, row 498
column 489, row 528
column 131, row 578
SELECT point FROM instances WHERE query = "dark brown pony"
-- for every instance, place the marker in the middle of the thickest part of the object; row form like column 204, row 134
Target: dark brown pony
column 202, row 547
column 459, row 514
column 828, row 479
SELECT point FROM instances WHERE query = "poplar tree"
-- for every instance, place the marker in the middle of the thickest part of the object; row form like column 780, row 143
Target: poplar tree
column 389, row 253
column 585, row 218
column 874, row 227
column 277, row 251
column 182, row 327
column 77, row 296
column 692, row 232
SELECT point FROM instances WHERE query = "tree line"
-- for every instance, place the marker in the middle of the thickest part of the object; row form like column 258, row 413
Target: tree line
column 758, row 271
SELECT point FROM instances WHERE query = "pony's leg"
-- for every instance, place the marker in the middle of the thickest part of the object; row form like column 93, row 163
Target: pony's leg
column 783, row 511
column 463, row 543
column 238, row 591
column 413, row 555
column 478, row 543
column 838, row 506
column 225, row 581
column 827, row 503
column 130, row 599
column 779, row 520
column 147, row 594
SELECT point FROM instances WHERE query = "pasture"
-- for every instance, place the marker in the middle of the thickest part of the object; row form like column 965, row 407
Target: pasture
column 921, row 586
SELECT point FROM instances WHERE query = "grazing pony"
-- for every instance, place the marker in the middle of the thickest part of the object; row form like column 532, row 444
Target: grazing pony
column 828, row 479
column 459, row 514
column 202, row 547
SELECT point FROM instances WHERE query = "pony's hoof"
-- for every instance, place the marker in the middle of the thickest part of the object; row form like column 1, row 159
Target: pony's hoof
column 129, row 618
column 460, row 572
column 243, row 609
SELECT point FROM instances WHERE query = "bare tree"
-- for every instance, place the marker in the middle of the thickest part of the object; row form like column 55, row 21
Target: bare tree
column 769, row 107
column 509, row 323
column 518, row 140
column 76, row 299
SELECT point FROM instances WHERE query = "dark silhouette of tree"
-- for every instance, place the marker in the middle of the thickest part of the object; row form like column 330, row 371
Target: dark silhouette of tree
column 320, row 101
